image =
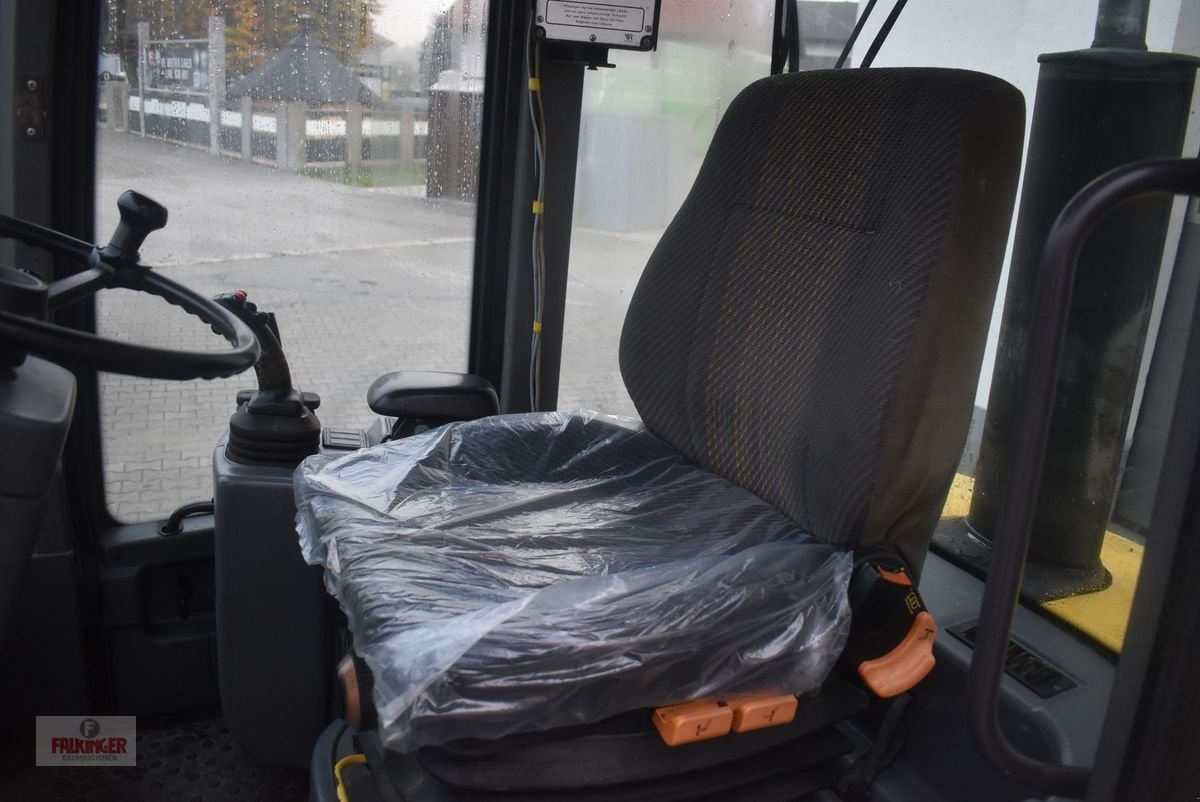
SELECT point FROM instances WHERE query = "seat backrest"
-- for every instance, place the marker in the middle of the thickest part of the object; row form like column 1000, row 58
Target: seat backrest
column 812, row 323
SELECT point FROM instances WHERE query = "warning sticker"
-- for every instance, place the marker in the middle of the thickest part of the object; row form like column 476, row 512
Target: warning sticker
column 595, row 15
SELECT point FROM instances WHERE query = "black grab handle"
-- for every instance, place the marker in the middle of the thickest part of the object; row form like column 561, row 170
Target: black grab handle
column 1027, row 444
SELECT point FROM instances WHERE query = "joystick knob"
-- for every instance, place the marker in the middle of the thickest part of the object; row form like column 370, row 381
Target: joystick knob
column 139, row 216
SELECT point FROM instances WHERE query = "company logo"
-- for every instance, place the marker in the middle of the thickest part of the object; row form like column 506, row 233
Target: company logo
column 101, row 741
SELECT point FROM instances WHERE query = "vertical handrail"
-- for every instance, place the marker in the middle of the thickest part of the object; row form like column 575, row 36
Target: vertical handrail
column 882, row 35
column 858, row 26
column 1027, row 444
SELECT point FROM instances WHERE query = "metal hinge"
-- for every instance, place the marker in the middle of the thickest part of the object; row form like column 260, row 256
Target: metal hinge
column 31, row 107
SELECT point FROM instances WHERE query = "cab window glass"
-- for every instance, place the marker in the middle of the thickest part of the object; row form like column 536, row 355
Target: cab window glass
column 949, row 35
column 321, row 156
column 645, row 129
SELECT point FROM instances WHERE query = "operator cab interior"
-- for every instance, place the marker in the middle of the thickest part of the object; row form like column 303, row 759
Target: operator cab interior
column 616, row 401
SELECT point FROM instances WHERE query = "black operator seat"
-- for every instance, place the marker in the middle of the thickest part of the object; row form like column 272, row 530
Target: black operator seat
column 803, row 350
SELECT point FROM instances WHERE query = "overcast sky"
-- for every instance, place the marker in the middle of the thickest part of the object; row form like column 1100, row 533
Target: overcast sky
column 406, row 21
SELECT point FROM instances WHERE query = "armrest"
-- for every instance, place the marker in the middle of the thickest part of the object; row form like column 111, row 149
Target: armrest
column 432, row 395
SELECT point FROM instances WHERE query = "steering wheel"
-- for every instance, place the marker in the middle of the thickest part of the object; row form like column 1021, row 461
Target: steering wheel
column 25, row 303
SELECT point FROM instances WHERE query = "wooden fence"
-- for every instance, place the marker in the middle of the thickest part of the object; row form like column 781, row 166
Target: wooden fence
column 291, row 136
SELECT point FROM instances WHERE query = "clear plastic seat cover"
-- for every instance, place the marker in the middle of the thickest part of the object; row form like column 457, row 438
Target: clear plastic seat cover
column 527, row 572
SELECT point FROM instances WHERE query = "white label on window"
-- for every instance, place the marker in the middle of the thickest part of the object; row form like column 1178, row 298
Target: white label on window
column 595, row 15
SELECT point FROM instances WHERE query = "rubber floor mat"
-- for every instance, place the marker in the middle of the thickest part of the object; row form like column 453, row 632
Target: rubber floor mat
column 195, row 761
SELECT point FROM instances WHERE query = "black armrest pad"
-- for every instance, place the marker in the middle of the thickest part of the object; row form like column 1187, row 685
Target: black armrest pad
column 430, row 395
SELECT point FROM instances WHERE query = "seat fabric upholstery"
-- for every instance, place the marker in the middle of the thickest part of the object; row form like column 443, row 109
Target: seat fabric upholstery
column 811, row 324
column 536, row 571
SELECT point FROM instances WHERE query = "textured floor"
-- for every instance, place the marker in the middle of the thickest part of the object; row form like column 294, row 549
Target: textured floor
column 193, row 762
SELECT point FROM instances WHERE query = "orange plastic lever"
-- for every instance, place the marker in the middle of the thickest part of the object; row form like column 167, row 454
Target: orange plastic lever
column 757, row 712
column 907, row 664
column 692, row 721
column 895, row 577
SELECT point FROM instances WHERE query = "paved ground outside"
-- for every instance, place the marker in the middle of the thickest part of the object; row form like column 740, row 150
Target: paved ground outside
column 363, row 281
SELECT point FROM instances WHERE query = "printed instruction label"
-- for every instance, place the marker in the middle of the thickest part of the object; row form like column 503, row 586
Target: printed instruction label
column 595, row 15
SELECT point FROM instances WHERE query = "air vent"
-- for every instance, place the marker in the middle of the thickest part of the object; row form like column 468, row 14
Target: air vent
column 1026, row 667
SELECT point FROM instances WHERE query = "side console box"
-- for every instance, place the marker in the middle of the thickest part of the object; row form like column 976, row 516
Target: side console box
column 274, row 619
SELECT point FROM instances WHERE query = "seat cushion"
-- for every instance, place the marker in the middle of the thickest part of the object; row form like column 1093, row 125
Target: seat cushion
column 527, row 572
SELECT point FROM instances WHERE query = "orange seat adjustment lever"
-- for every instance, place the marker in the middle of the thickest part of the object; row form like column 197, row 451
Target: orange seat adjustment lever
column 700, row 720
column 906, row 665
column 692, row 721
column 757, row 712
